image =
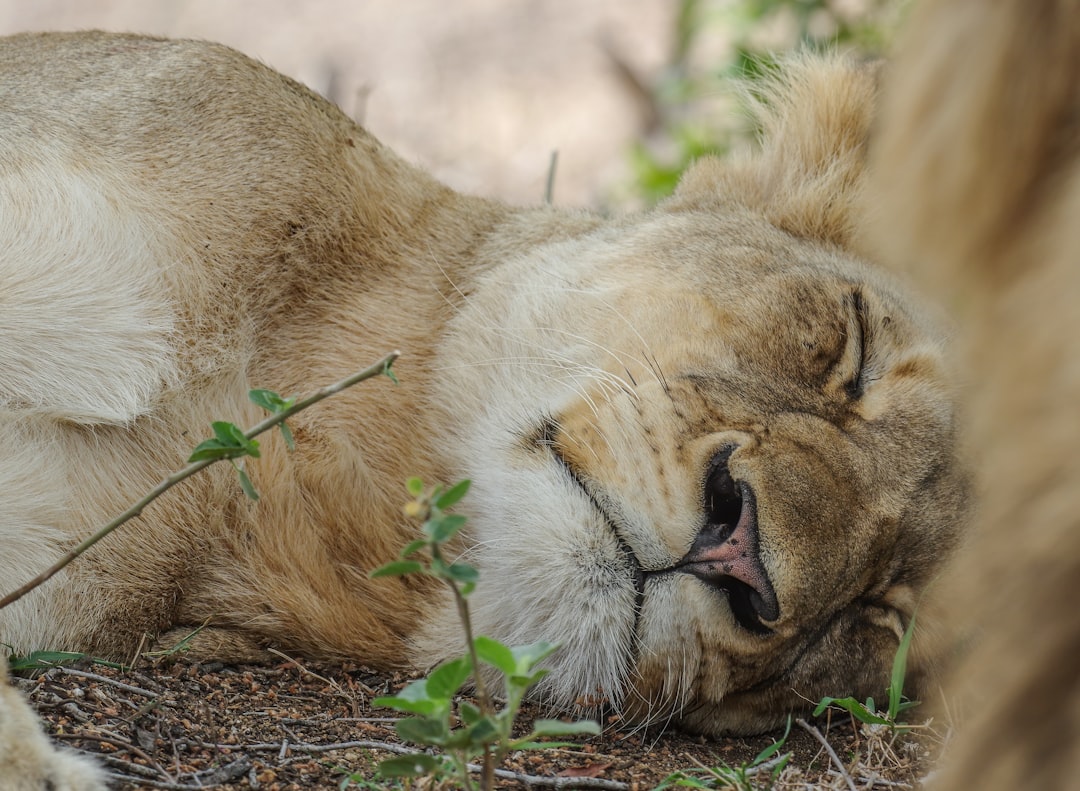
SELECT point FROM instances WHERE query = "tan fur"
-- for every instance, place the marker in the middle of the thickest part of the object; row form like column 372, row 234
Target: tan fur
column 225, row 228
column 978, row 190
column 28, row 761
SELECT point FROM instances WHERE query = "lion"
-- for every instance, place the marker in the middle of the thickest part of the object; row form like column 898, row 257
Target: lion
column 713, row 448
column 977, row 189
column 28, row 761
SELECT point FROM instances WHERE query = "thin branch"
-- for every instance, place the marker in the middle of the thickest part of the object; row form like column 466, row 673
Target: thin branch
column 295, row 663
column 205, row 780
column 389, row 747
column 813, row 731
column 549, row 187
column 135, row 510
column 105, row 680
column 539, row 781
column 116, row 740
column 145, row 781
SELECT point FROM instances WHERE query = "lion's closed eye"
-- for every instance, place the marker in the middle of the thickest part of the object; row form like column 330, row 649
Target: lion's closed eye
column 855, row 353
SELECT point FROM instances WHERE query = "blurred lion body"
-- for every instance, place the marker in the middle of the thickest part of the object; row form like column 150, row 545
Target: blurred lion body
column 978, row 187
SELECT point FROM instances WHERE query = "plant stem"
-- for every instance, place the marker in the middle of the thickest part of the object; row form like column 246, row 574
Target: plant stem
column 487, row 777
column 382, row 366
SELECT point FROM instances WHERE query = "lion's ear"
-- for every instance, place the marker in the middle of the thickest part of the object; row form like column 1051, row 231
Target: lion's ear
column 815, row 114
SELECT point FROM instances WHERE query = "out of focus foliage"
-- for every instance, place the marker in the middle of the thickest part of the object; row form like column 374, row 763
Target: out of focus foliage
column 718, row 41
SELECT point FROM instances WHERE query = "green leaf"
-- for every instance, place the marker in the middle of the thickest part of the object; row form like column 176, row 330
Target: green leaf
column 246, row 484
column 438, row 566
column 495, row 654
column 469, row 713
column 560, row 728
column 229, row 442
column 526, row 680
column 462, row 572
column 527, row 656
column 447, row 678
column 286, row 434
column 415, row 690
column 899, row 670
column 36, row 660
column 483, row 731
column 443, row 529
column 680, row 780
column 229, row 434
column 417, row 765
column 769, row 751
column 212, row 449
column 389, row 373
column 415, row 486
column 413, row 546
column 414, row 698
column 453, row 494
column 398, row 568
column 423, row 731
column 424, row 706
column 853, row 707
column 270, row 401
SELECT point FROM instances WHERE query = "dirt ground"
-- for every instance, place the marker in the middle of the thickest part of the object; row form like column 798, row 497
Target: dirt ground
column 298, row 725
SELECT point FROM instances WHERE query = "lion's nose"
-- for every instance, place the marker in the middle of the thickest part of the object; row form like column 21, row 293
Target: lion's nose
column 725, row 553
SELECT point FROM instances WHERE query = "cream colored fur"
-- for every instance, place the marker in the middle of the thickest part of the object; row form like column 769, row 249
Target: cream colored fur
column 722, row 369
column 28, row 761
column 977, row 190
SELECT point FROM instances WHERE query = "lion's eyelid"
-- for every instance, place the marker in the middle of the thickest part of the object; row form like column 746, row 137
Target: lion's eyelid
column 857, row 383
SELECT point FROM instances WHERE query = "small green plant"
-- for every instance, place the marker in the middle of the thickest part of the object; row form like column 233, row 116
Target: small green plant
column 463, row 731
column 868, row 712
column 230, row 442
column 761, row 771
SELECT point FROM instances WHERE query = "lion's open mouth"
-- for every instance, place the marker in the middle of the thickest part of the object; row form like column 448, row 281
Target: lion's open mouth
column 725, row 554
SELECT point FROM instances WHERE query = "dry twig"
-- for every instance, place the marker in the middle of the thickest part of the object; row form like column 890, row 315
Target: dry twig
column 813, row 731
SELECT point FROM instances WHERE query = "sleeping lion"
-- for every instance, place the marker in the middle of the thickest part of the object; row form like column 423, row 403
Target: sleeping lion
column 713, row 449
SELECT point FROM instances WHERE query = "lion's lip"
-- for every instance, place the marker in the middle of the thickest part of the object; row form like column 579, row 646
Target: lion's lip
column 637, row 570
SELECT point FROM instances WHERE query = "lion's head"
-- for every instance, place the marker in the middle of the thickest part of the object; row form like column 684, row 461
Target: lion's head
column 713, row 452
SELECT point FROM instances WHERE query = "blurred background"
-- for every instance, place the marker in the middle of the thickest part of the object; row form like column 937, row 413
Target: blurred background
column 481, row 92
